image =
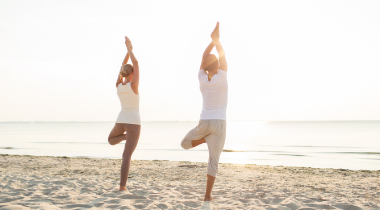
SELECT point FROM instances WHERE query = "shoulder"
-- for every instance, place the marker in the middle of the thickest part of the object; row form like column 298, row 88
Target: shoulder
column 222, row 73
column 124, row 88
column 121, row 84
column 201, row 73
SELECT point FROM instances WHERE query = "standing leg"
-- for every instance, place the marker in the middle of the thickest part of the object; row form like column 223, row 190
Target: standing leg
column 215, row 148
column 210, row 184
column 133, row 135
column 215, row 143
column 117, row 134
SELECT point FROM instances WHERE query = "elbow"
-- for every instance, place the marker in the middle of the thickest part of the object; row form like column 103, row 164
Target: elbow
column 135, row 63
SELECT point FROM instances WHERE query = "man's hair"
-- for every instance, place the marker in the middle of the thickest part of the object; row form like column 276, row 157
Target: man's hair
column 210, row 62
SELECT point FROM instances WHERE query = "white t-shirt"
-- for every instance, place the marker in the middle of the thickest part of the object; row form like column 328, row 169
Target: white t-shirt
column 215, row 95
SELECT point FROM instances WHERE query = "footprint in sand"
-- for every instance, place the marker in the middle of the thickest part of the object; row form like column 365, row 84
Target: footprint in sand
column 71, row 206
column 293, row 206
column 108, row 186
column 132, row 197
column 114, row 201
column 141, row 192
column 85, row 190
column 350, row 207
column 192, row 204
column 13, row 207
column 162, row 206
column 46, row 191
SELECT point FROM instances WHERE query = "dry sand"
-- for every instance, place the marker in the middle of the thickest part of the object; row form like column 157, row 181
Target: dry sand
column 81, row 183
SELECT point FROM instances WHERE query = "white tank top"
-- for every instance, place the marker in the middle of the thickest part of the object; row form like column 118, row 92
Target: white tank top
column 215, row 95
column 129, row 101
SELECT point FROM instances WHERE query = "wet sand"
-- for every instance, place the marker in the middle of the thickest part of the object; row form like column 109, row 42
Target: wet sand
column 29, row 182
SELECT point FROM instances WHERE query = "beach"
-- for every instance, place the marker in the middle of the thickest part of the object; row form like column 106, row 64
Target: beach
column 41, row 182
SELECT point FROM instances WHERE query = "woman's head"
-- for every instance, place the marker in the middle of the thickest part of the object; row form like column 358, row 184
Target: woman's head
column 126, row 70
column 210, row 63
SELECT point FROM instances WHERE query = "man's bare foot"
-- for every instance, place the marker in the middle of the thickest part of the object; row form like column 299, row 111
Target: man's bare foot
column 195, row 143
column 122, row 188
column 207, row 198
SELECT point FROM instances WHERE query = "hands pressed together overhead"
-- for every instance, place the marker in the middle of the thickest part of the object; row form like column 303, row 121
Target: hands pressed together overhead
column 215, row 33
column 128, row 43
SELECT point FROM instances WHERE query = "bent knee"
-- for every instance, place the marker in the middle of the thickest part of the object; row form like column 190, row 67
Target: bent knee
column 110, row 142
column 186, row 144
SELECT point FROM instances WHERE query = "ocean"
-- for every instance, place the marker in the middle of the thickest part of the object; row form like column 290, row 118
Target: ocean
column 337, row 144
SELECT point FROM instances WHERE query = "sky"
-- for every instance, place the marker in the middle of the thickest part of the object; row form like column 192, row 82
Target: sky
column 287, row 60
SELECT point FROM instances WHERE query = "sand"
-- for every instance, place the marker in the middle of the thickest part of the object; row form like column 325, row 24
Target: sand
column 29, row 182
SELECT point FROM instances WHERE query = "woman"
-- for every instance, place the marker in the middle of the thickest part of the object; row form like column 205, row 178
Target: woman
column 128, row 124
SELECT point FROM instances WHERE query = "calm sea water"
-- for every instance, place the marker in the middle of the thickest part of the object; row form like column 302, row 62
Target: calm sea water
column 349, row 144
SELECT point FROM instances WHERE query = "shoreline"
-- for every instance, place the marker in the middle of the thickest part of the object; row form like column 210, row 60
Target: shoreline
column 47, row 182
column 248, row 164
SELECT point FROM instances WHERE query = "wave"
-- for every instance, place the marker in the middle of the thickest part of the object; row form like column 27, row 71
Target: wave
column 230, row 150
column 319, row 146
column 359, row 153
column 290, row 154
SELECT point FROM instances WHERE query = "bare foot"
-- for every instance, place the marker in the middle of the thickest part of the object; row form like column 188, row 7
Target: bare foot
column 207, row 198
column 122, row 188
column 195, row 143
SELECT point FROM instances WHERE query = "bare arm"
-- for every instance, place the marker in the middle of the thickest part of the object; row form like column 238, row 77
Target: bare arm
column 136, row 69
column 219, row 48
column 222, row 56
column 119, row 80
column 125, row 61
column 207, row 52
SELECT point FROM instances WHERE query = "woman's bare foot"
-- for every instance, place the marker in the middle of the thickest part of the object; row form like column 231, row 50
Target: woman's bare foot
column 122, row 188
column 117, row 139
column 207, row 198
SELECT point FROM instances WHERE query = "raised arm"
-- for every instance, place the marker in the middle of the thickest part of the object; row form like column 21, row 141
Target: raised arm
column 207, row 52
column 136, row 70
column 125, row 61
column 219, row 48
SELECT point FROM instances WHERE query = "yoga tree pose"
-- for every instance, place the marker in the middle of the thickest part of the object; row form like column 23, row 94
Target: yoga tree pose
column 128, row 123
column 211, row 129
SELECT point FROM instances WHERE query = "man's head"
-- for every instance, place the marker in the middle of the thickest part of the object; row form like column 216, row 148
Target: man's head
column 210, row 63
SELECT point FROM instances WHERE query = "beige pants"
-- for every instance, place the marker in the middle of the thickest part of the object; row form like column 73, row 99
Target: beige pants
column 214, row 132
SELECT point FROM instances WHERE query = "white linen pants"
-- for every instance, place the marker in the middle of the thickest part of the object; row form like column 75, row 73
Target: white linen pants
column 214, row 132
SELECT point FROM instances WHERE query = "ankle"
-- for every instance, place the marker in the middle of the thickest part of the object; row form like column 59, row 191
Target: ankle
column 207, row 198
column 122, row 188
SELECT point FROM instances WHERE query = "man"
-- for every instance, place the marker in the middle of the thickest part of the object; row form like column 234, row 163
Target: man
column 212, row 125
